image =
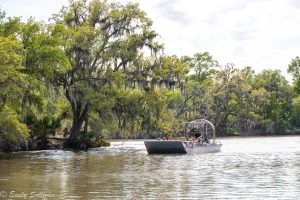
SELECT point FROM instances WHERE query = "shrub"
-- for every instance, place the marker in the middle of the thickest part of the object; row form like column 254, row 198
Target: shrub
column 13, row 133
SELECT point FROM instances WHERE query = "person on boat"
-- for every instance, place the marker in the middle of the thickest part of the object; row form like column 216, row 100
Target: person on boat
column 198, row 136
column 192, row 132
column 191, row 141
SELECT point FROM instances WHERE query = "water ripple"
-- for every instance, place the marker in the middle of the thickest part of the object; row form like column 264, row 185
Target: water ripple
column 246, row 168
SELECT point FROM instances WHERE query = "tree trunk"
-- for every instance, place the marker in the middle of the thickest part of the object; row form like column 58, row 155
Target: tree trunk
column 86, row 123
column 80, row 115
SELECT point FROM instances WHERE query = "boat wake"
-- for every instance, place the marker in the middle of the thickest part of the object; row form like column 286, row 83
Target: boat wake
column 123, row 147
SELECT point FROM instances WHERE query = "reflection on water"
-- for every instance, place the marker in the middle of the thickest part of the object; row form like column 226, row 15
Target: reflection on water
column 246, row 168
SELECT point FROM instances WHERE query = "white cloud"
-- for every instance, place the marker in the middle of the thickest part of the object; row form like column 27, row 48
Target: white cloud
column 262, row 34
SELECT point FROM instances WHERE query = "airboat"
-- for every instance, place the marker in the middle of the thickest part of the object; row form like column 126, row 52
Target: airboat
column 199, row 137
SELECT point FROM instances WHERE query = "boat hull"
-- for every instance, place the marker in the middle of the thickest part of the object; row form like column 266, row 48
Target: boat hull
column 178, row 147
column 164, row 147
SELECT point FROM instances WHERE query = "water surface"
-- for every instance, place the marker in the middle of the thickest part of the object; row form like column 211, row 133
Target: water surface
column 246, row 168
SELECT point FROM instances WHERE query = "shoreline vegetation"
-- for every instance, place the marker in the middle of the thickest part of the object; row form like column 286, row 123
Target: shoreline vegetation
column 57, row 143
column 97, row 71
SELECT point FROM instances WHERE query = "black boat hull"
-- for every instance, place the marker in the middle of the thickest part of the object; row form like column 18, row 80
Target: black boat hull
column 165, row 147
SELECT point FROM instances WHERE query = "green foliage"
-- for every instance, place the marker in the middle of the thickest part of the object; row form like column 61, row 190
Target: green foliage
column 295, row 118
column 91, row 140
column 12, row 79
column 12, row 83
column 41, row 127
column 203, row 65
column 168, row 124
column 294, row 70
column 12, row 132
column 62, row 108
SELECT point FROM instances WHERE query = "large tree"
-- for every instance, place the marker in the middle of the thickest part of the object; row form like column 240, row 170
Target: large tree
column 294, row 70
column 277, row 112
column 101, row 39
column 13, row 80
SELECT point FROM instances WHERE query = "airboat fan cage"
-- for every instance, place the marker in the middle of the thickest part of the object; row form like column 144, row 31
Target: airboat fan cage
column 201, row 127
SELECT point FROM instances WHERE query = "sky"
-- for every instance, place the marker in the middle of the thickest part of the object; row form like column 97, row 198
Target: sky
column 263, row 34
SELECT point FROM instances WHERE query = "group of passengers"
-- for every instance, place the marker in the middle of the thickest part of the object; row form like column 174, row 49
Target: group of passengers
column 195, row 138
column 198, row 139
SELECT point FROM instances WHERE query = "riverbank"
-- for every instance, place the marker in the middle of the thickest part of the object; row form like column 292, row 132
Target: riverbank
column 57, row 142
column 48, row 143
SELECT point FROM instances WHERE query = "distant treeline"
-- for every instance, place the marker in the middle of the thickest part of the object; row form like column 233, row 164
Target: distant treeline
column 96, row 70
